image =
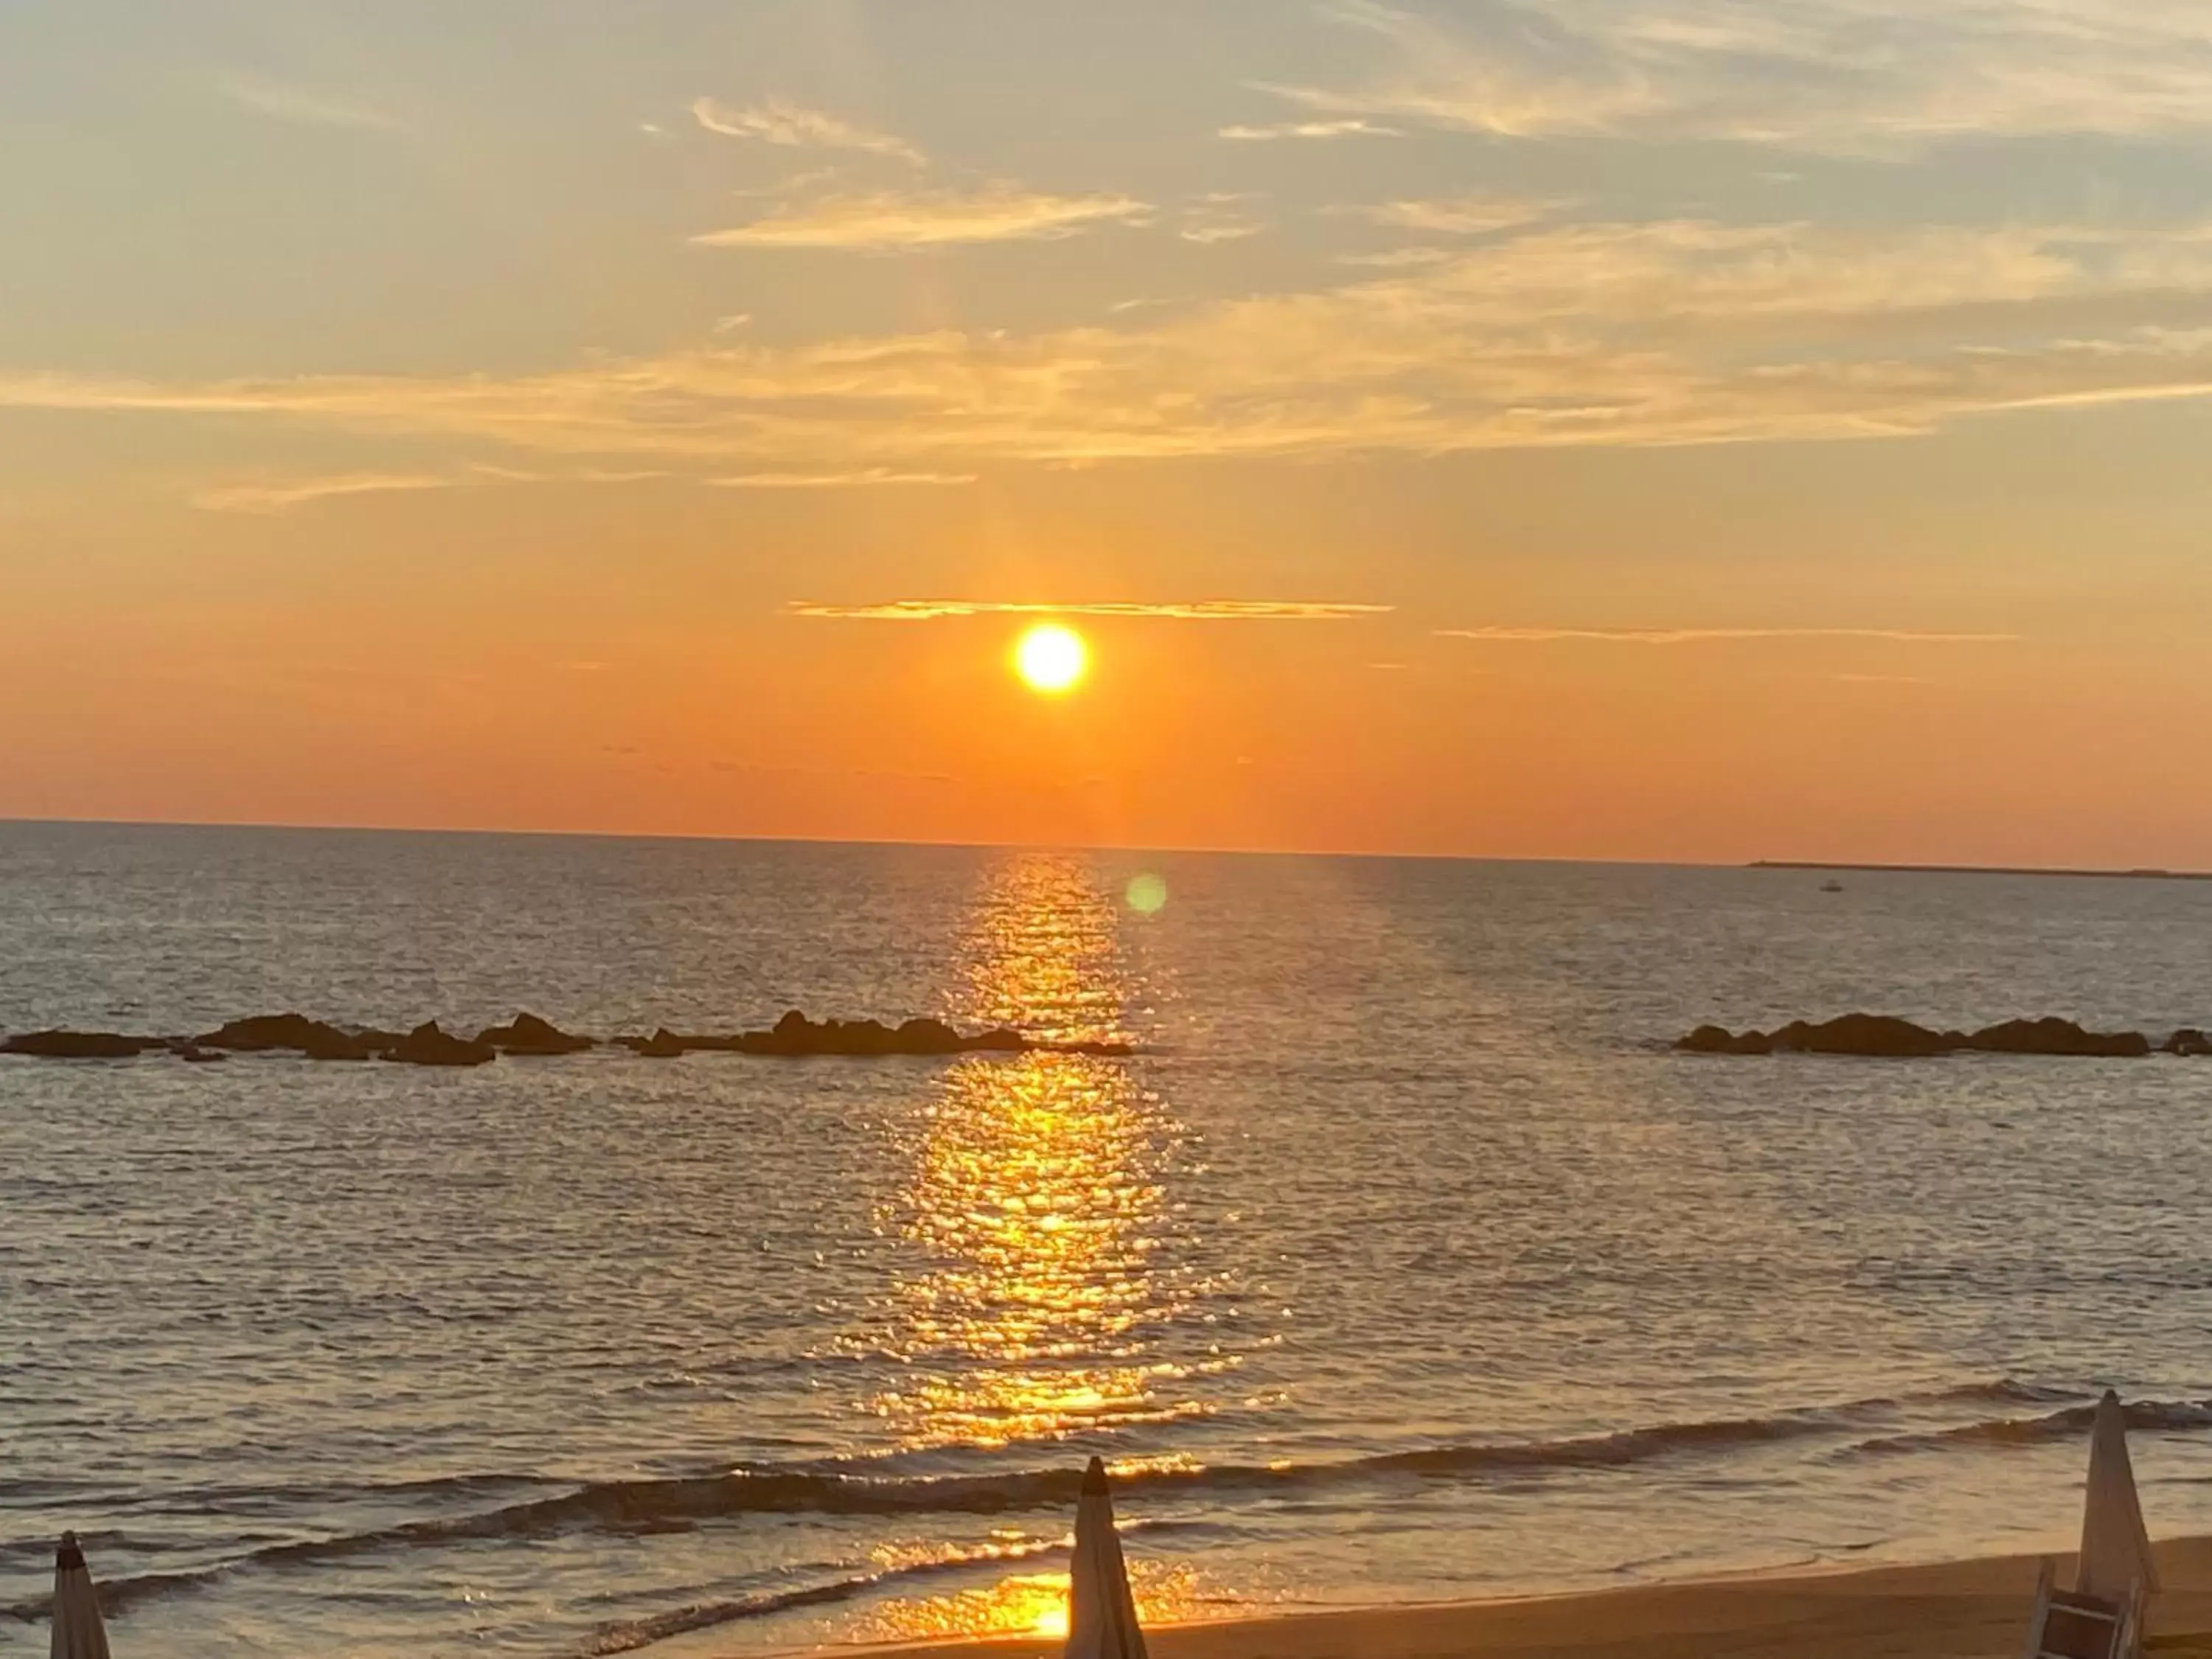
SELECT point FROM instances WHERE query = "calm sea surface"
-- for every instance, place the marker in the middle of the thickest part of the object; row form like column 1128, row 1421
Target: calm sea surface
column 1402, row 1263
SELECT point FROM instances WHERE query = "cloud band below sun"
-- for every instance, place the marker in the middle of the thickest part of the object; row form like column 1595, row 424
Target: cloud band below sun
column 1186, row 610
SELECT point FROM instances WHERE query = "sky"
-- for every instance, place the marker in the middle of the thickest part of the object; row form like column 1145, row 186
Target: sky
column 1679, row 429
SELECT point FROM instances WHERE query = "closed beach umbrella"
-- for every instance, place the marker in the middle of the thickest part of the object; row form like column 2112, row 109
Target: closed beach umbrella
column 2115, row 1548
column 1101, row 1613
column 78, row 1633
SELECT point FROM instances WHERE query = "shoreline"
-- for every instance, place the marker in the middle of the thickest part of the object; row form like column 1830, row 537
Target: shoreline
column 1962, row 1609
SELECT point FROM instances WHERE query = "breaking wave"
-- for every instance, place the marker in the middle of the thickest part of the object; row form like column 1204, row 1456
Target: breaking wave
column 864, row 1488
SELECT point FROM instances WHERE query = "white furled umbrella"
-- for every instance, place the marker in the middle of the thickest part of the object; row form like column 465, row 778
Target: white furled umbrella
column 1101, row 1613
column 78, row 1632
column 2115, row 1546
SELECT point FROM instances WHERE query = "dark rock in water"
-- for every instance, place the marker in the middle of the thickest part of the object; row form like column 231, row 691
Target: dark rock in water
column 795, row 1036
column 293, row 1033
column 1881, row 1036
column 426, row 1045
column 192, row 1055
column 663, row 1044
column 1885, row 1037
column 78, row 1045
column 262, row 1032
column 2188, row 1040
column 526, row 1034
column 2053, row 1036
column 930, row 1036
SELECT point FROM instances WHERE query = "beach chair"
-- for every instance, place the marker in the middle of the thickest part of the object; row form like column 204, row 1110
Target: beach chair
column 2069, row 1625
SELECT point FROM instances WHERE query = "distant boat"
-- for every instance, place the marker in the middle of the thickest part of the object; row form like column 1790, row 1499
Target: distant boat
column 1831, row 887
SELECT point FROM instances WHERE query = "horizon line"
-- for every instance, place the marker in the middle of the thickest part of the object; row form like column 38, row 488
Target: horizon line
column 2111, row 872
column 11, row 820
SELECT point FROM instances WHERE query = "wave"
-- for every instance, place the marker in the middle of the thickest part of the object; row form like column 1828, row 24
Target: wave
column 2069, row 1424
column 626, row 1636
column 118, row 1595
column 865, row 1487
column 2005, row 1391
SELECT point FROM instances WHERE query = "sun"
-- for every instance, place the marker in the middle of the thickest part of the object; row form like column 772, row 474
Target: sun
column 1051, row 658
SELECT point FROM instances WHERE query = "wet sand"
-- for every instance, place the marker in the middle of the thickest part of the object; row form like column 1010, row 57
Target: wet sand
column 1955, row 1610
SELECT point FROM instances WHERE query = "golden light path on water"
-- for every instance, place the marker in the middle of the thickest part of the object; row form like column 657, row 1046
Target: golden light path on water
column 1031, row 1226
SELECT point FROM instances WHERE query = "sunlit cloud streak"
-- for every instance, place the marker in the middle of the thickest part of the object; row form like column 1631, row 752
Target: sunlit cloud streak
column 1837, row 75
column 881, row 222
column 1219, row 218
column 274, row 495
column 864, row 477
column 1705, row 636
column 793, row 126
column 1354, row 128
column 1462, row 215
column 1188, row 611
column 283, row 495
column 1586, row 334
column 302, row 107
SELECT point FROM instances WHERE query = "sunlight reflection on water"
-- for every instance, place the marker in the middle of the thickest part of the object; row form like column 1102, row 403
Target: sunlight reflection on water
column 1035, row 1211
column 1036, row 1203
column 1032, row 1603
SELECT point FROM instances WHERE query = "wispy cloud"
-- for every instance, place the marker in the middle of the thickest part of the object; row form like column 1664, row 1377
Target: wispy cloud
column 1822, row 75
column 274, row 495
column 300, row 106
column 1219, row 218
column 1397, row 258
column 1186, row 610
column 1206, row 233
column 886, row 220
column 1353, row 127
column 281, row 495
column 1704, row 635
column 1590, row 333
column 1462, row 215
column 794, row 126
column 862, row 478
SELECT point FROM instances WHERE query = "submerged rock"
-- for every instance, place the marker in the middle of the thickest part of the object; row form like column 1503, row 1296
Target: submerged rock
column 428, row 1045
column 293, row 1033
column 1719, row 1040
column 1885, row 1036
column 262, row 1032
column 79, row 1045
column 795, row 1036
column 2053, row 1036
column 663, row 1044
column 526, row 1034
column 1882, row 1036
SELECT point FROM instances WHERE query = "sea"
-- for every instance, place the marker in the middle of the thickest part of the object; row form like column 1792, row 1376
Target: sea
column 1400, row 1261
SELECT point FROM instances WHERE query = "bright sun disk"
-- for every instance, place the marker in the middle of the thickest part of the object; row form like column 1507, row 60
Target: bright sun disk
column 1051, row 658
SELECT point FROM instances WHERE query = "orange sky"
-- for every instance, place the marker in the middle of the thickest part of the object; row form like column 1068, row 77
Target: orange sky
column 1732, row 448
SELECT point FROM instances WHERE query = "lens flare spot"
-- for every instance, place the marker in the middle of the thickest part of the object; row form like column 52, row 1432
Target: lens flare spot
column 1051, row 658
column 1147, row 894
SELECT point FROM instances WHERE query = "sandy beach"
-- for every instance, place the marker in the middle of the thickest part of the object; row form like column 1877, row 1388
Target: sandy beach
column 1950, row 1610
